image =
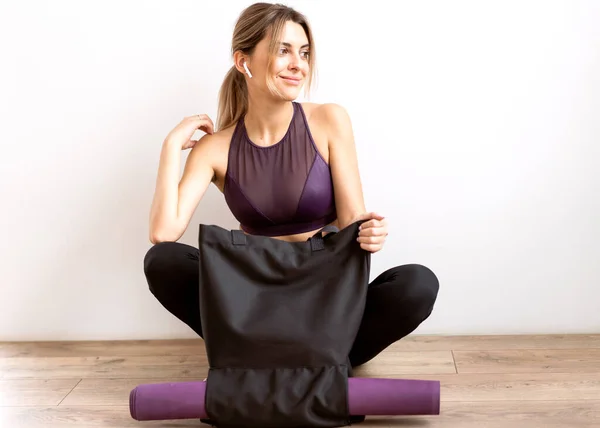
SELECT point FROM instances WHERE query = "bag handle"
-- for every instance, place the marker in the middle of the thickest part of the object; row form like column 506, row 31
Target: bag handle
column 238, row 237
column 317, row 241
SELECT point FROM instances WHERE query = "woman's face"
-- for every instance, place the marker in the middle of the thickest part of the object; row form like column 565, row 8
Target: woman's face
column 289, row 68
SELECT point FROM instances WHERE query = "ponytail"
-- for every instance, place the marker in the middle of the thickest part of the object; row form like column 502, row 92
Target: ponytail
column 233, row 99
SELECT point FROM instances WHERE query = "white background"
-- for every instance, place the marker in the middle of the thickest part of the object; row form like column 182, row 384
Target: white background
column 477, row 126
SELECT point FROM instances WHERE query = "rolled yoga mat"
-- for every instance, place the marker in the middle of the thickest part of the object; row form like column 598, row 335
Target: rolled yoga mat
column 366, row 396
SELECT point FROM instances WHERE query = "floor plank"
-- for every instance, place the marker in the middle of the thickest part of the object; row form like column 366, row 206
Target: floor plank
column 520, row 387
column 528, row 361
column 108, row 392
column 526, row 414
column 392, row 363
column 513, row 414
column 124, row 348
column 497, row 342
column 35, row 392
column 397, row 363
column 184, row 347
column 82, row 416
column 103, row 367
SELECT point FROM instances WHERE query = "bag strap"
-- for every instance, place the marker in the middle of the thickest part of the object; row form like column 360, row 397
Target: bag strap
column 238, row 237
column 317, row 241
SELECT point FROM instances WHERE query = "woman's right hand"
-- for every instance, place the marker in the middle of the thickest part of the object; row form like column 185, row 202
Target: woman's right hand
column 182, row 134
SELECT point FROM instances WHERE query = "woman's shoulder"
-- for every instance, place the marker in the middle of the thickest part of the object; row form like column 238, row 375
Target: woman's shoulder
column 327, row 105
column 323, row 109
column 331, row 116
column 218, row 139
column 213, row 147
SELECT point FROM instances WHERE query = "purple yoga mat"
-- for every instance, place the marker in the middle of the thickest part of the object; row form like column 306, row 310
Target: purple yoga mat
column 366, row 396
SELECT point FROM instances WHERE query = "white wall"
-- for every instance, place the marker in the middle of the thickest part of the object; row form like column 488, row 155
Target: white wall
column 477, row 126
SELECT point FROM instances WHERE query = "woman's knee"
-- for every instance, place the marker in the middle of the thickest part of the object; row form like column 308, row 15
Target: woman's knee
column 161, row 264
column 425, row 289
column 420, row 287
column 155, row 258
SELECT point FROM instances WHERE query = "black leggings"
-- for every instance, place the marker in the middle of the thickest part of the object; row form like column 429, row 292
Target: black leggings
column 398, row 300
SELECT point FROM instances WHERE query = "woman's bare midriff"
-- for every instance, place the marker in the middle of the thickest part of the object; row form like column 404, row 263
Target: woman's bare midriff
column 299, row 237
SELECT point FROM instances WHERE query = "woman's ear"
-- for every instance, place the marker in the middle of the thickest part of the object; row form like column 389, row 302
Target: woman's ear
column 241, row 63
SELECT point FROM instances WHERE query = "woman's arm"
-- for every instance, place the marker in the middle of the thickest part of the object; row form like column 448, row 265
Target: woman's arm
column 347, row 184
column 175, row 200
column 343, row 162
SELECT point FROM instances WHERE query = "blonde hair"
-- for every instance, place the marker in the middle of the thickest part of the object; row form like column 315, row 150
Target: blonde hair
column 254, row 24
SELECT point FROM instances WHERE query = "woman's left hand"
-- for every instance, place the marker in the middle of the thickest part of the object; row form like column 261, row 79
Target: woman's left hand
column 373, row 232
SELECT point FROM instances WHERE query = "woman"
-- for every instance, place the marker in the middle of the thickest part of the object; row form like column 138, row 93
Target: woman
column 286, row 170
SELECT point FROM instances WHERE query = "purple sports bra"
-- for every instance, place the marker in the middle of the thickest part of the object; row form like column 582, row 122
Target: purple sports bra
column 281, row 189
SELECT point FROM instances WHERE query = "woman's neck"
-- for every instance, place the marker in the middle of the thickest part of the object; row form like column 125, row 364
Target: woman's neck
column 267, row 121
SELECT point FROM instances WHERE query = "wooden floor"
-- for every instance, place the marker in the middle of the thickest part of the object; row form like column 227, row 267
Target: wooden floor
column 486, row 381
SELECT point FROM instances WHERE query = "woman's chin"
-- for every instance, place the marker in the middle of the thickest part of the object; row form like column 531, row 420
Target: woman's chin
column 290, row 94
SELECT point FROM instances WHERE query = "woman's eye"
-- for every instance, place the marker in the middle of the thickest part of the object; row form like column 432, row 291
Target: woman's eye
column 284, row 51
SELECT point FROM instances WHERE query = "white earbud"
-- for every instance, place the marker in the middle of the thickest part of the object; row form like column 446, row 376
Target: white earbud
column 247, row 71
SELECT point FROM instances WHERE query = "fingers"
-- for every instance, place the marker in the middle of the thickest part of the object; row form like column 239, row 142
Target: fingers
column 373, row 224
column 375, row 239
column 371, row 247
column 203, row 122
column 207, row 128
column 373, row 231
column 370, row 215
column 371, row 243
column 376, row 216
